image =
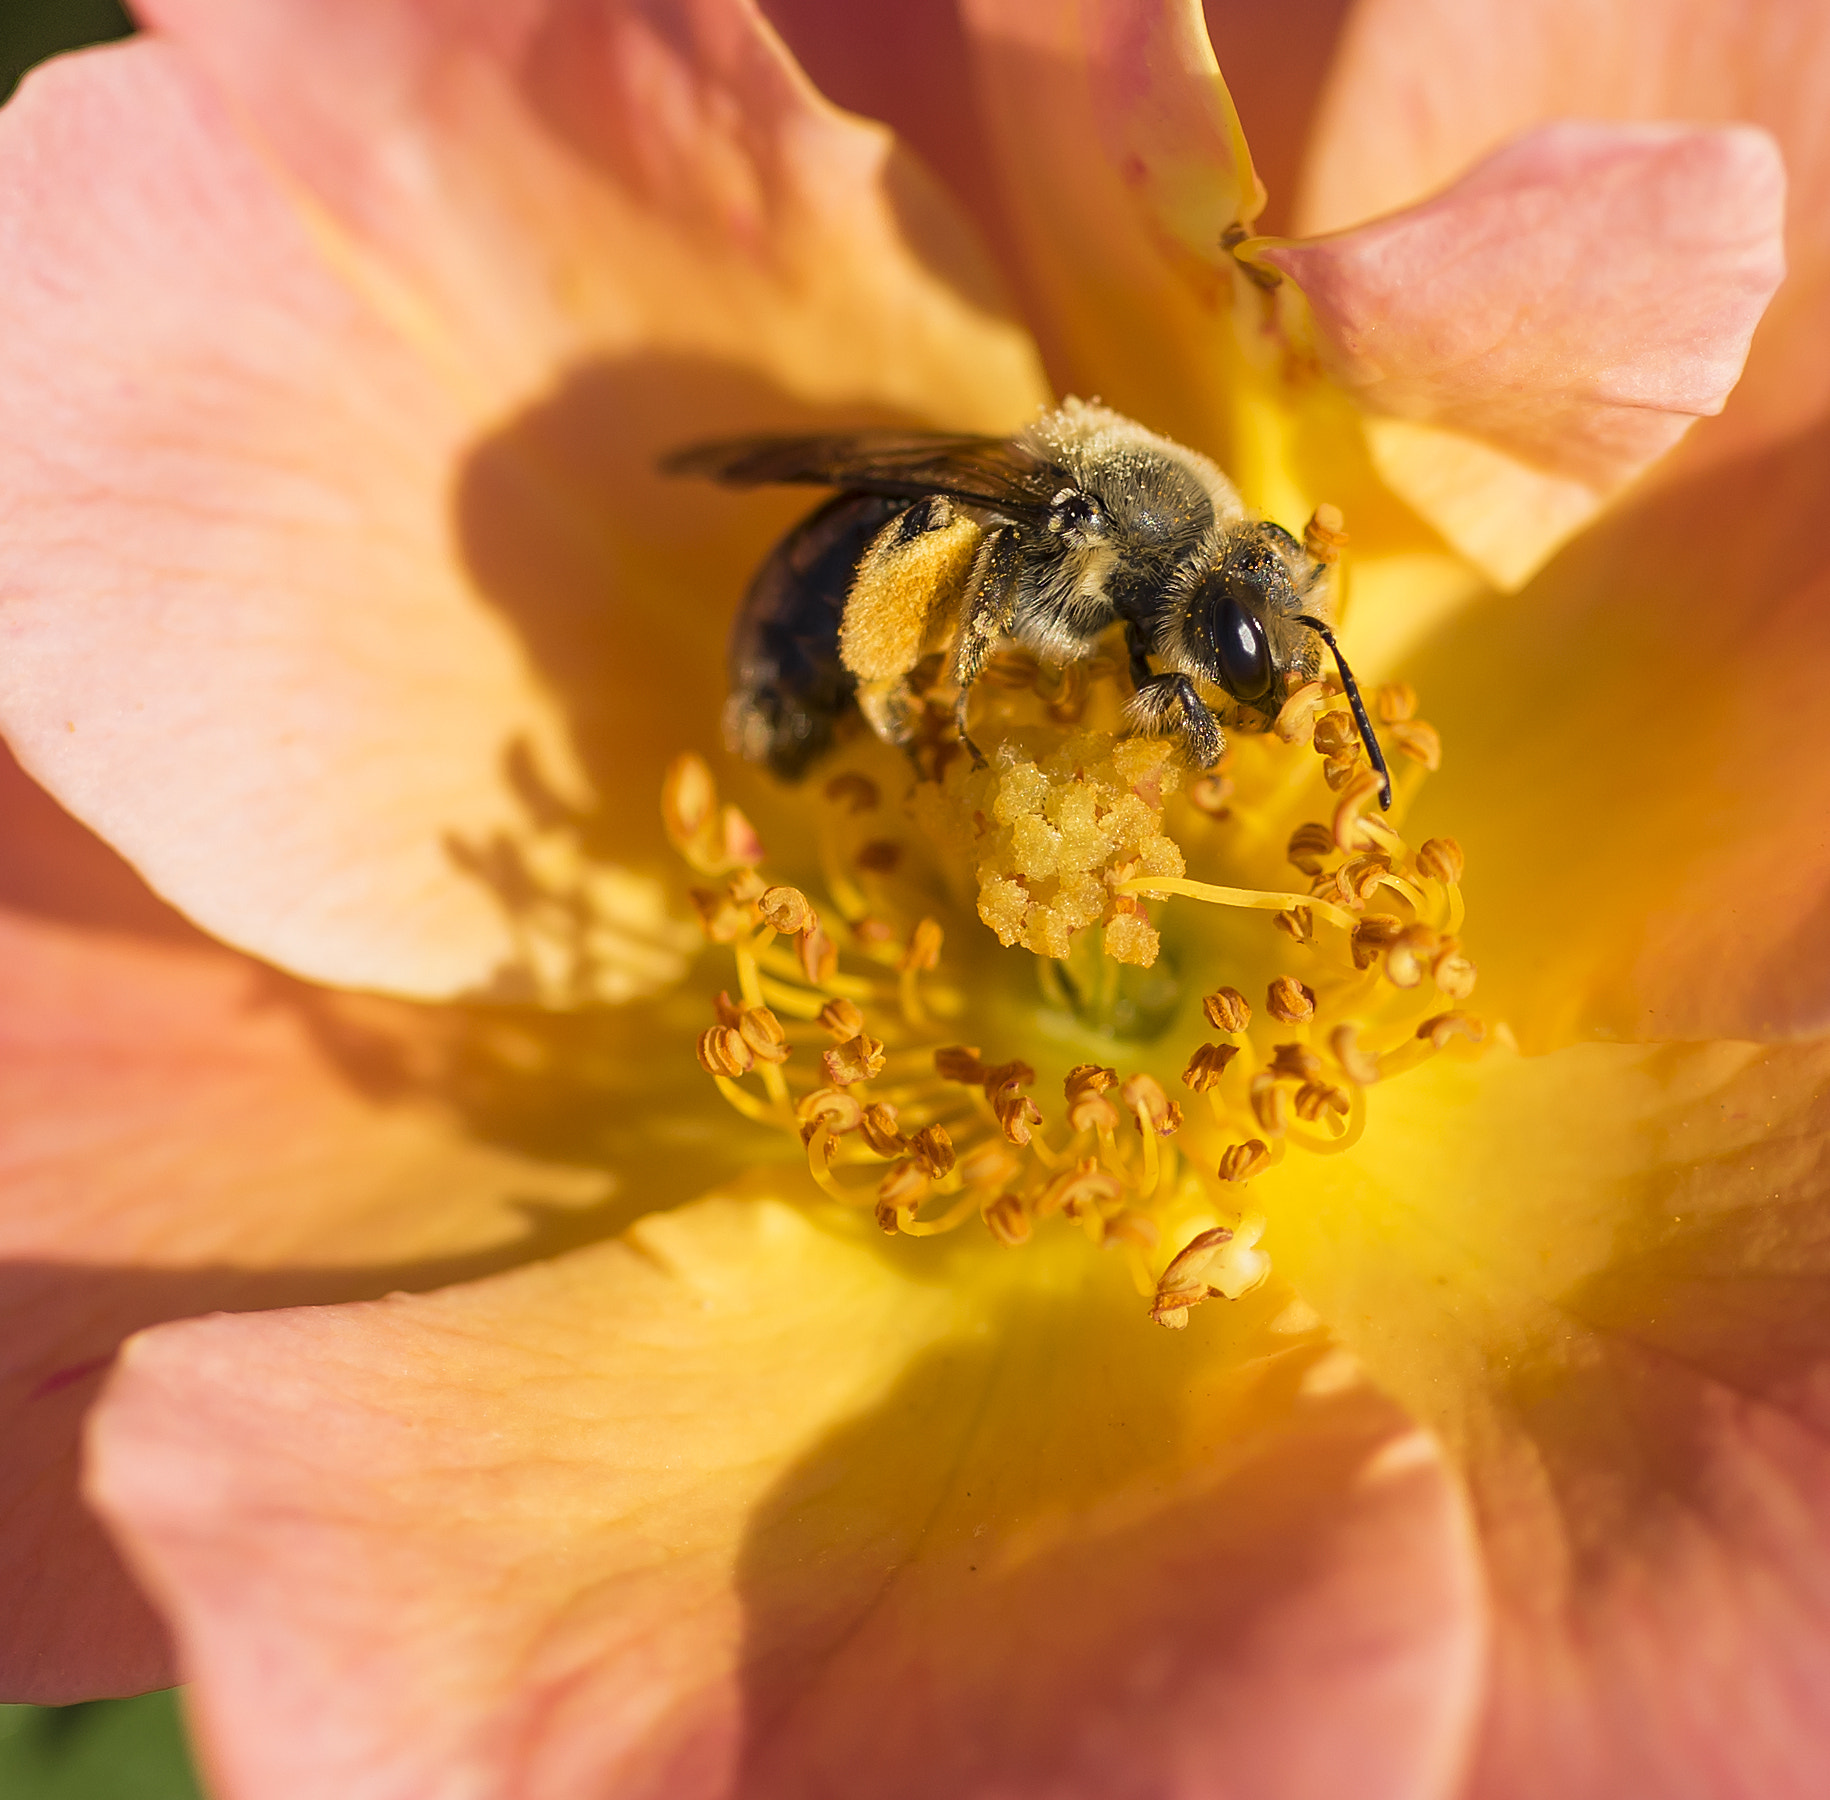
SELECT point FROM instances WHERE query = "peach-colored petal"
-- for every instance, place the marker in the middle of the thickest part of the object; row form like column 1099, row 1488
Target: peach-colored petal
column 180, row 1131
column 1422, row 89
column 1634, row 765
column 1120, row 305
column 748, row 1505
column 342, row 594
column 1605, row 1275
column 1573, row 303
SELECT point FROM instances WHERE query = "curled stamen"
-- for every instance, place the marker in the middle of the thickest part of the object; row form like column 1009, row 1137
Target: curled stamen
column 762, row 1031
column 1008, row 1221
column 787, row 910
column 880, row 1131
column 1269, row 1106
column 931, row 1150
column 857, row 1059
column 829, row 1110
column 1452, row 972
column 1316, row 1098
column 1290, row 1001
column 1444, row 1026
column 1361, row 1068
column 1227, row 1010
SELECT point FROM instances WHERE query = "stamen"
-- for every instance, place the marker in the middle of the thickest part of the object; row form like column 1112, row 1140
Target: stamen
column 1066, row 834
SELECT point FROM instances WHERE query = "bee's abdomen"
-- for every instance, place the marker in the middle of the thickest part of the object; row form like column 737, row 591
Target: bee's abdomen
column 788, row 686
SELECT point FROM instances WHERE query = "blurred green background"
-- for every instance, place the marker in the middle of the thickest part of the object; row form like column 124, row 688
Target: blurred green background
column 112, row 1749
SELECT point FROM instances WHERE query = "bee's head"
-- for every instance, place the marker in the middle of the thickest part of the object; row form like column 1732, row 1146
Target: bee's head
column 1229, row 608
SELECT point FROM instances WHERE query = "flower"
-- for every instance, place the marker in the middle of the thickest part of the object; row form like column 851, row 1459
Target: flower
column 338, row 397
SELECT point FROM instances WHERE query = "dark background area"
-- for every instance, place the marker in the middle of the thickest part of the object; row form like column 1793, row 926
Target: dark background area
column 111, row 1749
column 31, row 30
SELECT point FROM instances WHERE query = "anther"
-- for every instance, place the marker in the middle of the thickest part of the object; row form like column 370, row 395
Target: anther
column 1310, row 846
column 1334, row 733
column 837, row 1112
column 879, row 857
column 1290, row 1001
column 787, row 910
column 961, row 1063
column 1314, row 1098
column 879, row 1129
column 1240, row 1162
column 1325, row 536
column 1373, row 936
column 857, row 1059
column 746, row 887
column 1405, row 960
column 1088, row 1078
column 1207, row 1065
column 1421, row 742
column 729, row 1011
column 1017, row 1114
column 1269, row 1105
column 1152, row 1108
column 1211, row 794
column 1452, row 971
column 819, row 955
column 1360, row 793
column 901, row 1190
column 1296, row 717
column 1181, row 1285
column 1227, row 1010
column 932, row 1150
column 988, row 1163
column 856, row 793
column 1008, row 1221
column 1340, row 769
column 1447, row 1025
column 924, row 946
column 722, row 1051
column 1441, row 859
column 720, row 918
column 1295, row 1062
column 1360, row 1067
column 1395, row 702
column 1298, row 923
column 842, row 1019
column 1084, row 1188
column 762, row 1031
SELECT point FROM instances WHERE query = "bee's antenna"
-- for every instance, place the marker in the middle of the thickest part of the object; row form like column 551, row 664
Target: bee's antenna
column 1374, row 754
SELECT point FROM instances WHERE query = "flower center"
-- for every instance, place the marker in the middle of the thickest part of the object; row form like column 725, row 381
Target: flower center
column 939, row 1072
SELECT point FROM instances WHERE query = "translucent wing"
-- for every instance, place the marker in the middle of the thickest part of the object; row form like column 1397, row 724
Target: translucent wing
column 900, row 465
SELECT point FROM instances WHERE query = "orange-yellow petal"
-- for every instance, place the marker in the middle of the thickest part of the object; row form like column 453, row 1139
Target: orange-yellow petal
column 1603, row 1275
column 343, row 596
column 1571, row 305
column 749, row 1504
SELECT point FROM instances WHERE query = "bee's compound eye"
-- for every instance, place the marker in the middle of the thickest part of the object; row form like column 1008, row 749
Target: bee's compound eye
column 1240, row 650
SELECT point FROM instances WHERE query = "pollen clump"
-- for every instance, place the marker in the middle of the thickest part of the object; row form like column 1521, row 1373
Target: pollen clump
column 1055, row 836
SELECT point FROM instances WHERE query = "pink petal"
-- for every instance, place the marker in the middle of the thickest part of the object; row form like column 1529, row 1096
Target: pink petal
column 175, row 1137
column 1575, row 302
column 739, row 1507
column 1421, row 89
column 343, row 596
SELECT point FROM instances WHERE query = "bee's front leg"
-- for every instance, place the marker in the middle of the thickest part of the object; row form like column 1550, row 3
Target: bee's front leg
column 1169, row 703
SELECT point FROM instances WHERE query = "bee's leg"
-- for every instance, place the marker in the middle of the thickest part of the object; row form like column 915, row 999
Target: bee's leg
column 1159, row 698
column 990, row 610
column 1141, row 676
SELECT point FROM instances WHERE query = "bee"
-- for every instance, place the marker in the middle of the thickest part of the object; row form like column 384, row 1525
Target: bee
column 935, row 542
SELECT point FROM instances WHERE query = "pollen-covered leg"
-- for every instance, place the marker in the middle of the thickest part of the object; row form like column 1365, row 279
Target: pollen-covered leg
column 1168, row 704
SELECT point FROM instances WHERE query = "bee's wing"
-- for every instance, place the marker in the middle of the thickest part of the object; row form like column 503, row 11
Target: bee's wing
column 901, row 465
